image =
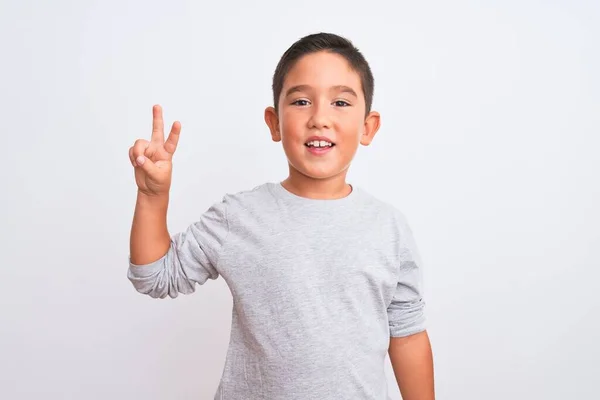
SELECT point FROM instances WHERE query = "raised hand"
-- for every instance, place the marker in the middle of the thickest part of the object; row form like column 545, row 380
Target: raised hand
column 152, row 159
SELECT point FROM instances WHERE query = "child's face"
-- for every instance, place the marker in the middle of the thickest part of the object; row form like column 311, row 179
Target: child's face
column 321, row 98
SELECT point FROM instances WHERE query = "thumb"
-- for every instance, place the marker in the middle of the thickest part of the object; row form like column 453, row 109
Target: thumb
column 146, row 165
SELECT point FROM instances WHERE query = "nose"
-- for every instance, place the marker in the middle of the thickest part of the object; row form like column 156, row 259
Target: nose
column 320, row 118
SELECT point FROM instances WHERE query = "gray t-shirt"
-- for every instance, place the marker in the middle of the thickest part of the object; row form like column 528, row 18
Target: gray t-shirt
column 318, row 288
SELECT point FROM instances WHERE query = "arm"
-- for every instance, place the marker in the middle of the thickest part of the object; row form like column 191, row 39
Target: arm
column 152, row 162
column 410, row 350
column 162, row 265
column 412, row 362
column 189, row 257
column 149, row 239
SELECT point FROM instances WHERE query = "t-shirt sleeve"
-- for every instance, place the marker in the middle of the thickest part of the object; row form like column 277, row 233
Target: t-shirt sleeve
column 406, row 311
column 192, row 258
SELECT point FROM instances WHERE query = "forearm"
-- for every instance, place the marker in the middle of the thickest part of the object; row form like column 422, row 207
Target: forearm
column 149, row 238
column 412, row 362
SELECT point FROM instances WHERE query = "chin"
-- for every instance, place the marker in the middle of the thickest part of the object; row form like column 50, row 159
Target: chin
column 320, row 173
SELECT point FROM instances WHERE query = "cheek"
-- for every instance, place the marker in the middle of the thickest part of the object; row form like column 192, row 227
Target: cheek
column 291, row 128
column 351, row 130
column 349, row 122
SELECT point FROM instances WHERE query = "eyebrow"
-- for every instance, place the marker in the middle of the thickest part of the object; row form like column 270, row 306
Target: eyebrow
column 305, row 88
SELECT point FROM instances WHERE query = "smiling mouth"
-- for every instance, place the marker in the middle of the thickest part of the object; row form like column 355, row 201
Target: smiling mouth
column 319, row 144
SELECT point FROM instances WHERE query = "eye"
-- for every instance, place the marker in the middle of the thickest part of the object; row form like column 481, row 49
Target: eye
column 341, row 103
column 300, row 102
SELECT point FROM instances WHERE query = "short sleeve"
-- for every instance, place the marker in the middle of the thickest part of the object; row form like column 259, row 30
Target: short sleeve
column 191, row 260
column 406, row 311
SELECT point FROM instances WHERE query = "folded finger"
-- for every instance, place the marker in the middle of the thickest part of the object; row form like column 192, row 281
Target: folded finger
column 139, row 148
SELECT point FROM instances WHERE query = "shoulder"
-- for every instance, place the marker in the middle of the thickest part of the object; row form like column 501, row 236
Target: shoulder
column 383, row 208
column 398, row 229
column 249, row 197
column 387, row 218
column 249, row 204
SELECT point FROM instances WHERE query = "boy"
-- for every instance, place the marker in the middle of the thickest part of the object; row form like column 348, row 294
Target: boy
column 324, row 277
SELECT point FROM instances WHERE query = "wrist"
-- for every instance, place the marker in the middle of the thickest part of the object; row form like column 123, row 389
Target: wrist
column 152, row 200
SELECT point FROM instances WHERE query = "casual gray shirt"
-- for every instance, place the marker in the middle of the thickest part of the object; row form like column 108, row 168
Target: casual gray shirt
column 318, row 288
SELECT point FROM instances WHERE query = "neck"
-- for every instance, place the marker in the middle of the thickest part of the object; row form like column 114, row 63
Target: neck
column 331, row 188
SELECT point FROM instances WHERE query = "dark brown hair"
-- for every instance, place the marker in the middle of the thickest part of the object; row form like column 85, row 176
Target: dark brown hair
column 324, row 42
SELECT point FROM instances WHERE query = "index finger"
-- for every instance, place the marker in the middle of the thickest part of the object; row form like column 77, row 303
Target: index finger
column 158, row 128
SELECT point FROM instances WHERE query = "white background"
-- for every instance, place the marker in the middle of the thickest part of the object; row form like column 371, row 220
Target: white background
column 489, row 145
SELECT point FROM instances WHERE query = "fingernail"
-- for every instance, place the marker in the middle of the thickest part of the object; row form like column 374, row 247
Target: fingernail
column 140, row 160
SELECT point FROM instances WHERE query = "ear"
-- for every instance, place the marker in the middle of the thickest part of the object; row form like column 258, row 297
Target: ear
column 372, row 123
column 272, row 120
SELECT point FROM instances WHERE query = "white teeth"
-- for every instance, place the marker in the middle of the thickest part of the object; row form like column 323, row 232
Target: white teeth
column 319, row 143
